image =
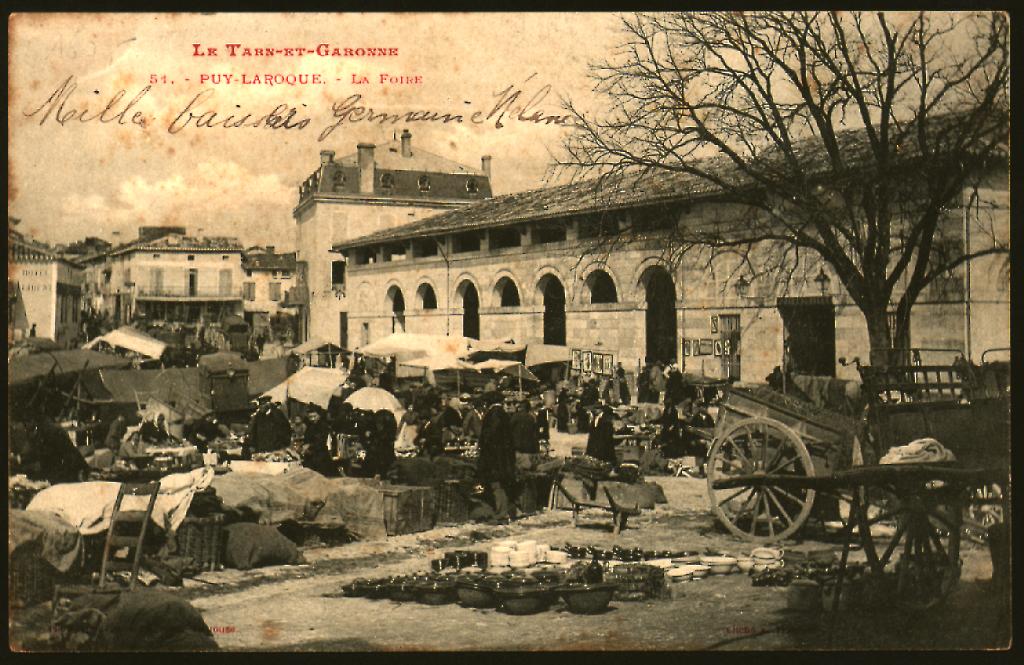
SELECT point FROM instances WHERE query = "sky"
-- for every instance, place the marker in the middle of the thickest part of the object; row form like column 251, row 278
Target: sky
column 70, row 180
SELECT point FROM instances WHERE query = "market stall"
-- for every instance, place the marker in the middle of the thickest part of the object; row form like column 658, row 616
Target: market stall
column 310, row 385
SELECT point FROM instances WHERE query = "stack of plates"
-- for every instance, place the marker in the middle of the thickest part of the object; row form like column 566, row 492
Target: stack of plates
column 557, row 556
column 499, row 556
column 542, row 551
column 529, row 549
column 521, row 558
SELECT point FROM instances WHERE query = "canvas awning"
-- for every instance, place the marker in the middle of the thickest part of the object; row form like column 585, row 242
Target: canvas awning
column 26, row 369
column 406, row 346
column 310, row 385
column 375, row 399
column 130, row 339
column 540, row 354
column 315, row 345
column 510, row 367
column 440, row 362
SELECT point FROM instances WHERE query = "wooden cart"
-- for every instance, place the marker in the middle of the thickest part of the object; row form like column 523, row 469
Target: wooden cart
column 762, row 432
column 915, row 510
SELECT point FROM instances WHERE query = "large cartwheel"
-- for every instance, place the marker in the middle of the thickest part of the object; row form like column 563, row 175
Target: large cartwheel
column 759, row 446
column 762, row 432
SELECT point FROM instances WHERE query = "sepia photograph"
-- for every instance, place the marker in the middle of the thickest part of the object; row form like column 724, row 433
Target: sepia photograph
column 509, row 332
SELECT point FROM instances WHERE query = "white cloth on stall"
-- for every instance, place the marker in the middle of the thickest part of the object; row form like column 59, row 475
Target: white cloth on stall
column 919, row 451
column 89, row 506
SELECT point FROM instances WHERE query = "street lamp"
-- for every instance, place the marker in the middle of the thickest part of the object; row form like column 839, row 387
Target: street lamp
column 742, row 286
column 823, row 281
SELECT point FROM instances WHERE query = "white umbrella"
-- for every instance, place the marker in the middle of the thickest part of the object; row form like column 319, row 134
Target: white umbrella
column 374, row 399
column 311, row 385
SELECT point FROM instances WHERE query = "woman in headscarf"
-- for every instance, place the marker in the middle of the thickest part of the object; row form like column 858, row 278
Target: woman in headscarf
column 562, row 411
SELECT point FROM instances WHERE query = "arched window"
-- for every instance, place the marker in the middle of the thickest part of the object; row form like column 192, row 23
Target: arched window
column 427, row 297
column 397, row 305
column 387, row 180
column 424, row 183
column 601, row 287
column 472, row 187
column 507, row 292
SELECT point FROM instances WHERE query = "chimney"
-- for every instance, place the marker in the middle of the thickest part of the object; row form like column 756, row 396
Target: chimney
column 485, row 164
column 366, row 168
column 326, row 157
column 406, row 143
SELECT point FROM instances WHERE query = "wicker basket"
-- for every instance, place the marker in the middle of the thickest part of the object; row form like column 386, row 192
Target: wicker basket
column 203, row 539
column 31, row 578
column 450, row 505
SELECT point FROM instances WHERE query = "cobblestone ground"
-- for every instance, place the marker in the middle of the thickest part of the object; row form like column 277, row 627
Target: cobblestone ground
column 284, row 608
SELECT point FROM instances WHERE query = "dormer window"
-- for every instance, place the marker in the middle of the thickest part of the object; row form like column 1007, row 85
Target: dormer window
column 424, row 183
column 339, row 180
column 472, row 187
column 387, row 181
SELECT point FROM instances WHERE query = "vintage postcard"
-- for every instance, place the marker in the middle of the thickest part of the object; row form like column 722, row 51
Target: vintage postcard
column 516, row 331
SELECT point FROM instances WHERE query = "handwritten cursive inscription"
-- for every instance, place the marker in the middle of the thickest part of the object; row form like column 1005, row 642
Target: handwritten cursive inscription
column 63, row 110
column 281, row 117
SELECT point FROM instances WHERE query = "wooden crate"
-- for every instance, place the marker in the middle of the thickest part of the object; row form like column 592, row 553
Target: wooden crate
column 203, row 539
column 31, row 579
column 407, row 509
column 451, row 506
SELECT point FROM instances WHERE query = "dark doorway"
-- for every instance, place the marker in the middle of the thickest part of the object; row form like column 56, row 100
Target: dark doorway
column 470, row 311
column 809, row 336
column 554, row 310
column 397, row 310
column 343, row 329
column 193, row 282
column 661, row 316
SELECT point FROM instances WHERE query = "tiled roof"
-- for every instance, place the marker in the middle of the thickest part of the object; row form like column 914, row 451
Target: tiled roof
column 179, row 243
column 388, row 156
column 624, row 191
column 265, row 261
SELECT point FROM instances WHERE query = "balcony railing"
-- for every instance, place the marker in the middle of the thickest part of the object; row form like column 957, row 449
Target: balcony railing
column 185, row 293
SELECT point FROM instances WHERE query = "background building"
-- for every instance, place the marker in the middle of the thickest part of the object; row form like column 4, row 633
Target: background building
column 44, row 291
column 375, row 188
column 174, row 278
column 548, row 266
column 268, row 277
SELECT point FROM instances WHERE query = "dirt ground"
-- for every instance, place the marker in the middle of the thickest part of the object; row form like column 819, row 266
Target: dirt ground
column 284, row 608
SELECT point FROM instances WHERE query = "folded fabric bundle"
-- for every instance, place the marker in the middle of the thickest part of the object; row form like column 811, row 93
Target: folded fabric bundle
column 919, row 451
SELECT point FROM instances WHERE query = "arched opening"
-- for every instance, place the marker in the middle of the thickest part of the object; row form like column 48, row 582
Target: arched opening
column 507, row 293
column 470, row 310
column 601, row 287
column 397, row 303
column 427, row 297
column 661, row 314
column 554, row 309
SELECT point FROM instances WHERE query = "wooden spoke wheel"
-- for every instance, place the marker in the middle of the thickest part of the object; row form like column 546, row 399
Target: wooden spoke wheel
column 920, row 562
column 760, row 446
column 983, row 511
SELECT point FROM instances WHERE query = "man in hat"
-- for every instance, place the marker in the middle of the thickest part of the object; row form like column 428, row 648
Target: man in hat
column 523, row 428
column 601, row 439
column 562, row 410
column 269, row 428
column 496, row 464
column 315, row 454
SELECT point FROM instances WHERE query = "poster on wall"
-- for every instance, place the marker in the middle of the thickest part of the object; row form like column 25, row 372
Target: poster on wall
column 609, row 363
column 686, row 347
column 718, row 347
column 714, row 323
column 587, row 364
column 575, row 363
column 598, row 362
column 706, row 347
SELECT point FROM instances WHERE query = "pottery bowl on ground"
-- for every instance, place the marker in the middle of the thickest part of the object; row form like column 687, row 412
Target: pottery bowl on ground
column 587, row 598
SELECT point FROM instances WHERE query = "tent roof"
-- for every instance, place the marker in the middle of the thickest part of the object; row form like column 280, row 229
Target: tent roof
column 411, row 345
column 129, row 338
column 314, row 345
column 222, row 361
column 26, row 369
column 439, row 362
column 539, row 354
column 311, row 385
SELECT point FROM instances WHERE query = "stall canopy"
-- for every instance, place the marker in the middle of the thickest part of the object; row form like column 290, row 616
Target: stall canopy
column 374, row 399
column 406, row 346
column 130, row 339
column 310, row 385
column 318, row 353
column 510, row 367
column 440, row 362
column 542, row 354
column 28, row 369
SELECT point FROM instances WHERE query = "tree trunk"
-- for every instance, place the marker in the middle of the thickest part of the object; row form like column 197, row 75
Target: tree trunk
column 879, row 337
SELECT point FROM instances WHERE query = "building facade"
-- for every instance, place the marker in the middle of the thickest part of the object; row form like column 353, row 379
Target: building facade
column 536, row 267
column 44, row 292
column 268, row 277
column 375, row 188
column 174, row 278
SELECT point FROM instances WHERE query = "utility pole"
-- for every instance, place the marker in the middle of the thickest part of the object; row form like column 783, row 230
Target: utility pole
column 447, row 287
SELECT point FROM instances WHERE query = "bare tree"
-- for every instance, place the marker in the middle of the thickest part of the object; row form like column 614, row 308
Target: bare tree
column 844, row 135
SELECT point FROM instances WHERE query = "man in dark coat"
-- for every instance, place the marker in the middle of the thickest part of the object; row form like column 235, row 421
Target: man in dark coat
column 600, row 441
column 380, row 456
column 523, row 428
column 50, row 455
column 673, row 386
column 472, row 422
column 117, row 430
column 624, row 395
column 496, row 464
column 269, row 429
column 562, row 410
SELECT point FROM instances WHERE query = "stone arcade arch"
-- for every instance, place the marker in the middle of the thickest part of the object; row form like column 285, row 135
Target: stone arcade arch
column 553, row 294
column 396, row 304
column 470, row 300
column 660, row 324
